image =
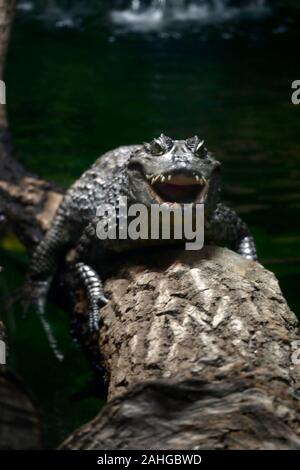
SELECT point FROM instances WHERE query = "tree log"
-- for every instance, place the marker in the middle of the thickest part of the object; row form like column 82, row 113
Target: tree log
column 27, row 203
column 200, row 352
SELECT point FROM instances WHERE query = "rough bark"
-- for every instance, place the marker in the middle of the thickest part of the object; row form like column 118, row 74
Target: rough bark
column 183, row 315
column 190, row 415
column 27, row 203
column 200, row 353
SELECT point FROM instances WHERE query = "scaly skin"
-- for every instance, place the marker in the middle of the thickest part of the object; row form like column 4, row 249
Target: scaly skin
column 166, row 170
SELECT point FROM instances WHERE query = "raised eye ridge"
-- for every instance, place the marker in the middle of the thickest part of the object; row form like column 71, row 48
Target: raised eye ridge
column 197, row 146
column 159, row 146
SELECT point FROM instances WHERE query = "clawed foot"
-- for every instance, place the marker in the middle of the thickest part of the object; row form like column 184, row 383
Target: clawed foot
column 35, row 295
column 93, row 313
column 94, row 291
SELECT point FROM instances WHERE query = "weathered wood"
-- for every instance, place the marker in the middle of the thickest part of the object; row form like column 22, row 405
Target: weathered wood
column 27, row 202
column 189, row 415
column 199, row 354
column 183, row 315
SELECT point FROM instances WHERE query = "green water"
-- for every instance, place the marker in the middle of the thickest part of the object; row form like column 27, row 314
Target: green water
column 73, row 94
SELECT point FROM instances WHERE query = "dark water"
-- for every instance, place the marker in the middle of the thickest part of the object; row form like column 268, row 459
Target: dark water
column 74, row 93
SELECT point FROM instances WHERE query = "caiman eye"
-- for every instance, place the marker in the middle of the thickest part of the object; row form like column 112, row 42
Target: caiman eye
column 200, row 150
column 157, row 148
column 197, row 146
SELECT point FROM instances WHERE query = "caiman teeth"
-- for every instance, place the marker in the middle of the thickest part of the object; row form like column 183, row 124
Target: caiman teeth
column 183, row 180
column 178, row 188
column 177, row 179
column 154, row 179
column 204, row 192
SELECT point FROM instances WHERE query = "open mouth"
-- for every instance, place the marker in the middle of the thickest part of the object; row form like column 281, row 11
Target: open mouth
column 178, row 188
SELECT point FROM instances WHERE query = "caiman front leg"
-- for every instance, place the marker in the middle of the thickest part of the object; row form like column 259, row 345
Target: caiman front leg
column 226, row 226
column 89, row 247
column 94, row 291
column 245, row 246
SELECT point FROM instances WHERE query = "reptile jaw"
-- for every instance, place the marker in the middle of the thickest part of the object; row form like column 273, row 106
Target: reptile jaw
column 178, row 188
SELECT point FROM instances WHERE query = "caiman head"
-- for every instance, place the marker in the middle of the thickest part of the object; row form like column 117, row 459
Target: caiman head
column 174, row 172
